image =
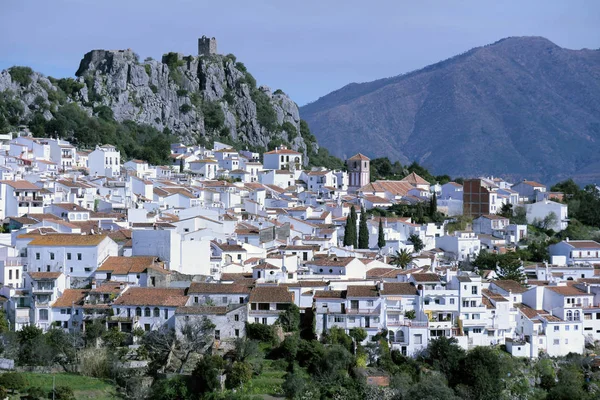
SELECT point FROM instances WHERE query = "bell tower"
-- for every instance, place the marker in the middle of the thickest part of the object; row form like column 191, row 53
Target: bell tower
column 359, row 173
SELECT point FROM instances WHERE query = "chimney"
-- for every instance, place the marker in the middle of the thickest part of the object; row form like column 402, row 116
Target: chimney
column 93, row 284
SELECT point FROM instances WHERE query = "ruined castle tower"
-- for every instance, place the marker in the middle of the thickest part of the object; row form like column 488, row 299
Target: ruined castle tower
column 207, row 46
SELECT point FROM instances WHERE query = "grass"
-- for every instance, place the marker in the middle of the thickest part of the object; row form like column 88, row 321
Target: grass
column 269, row 381
column 83, row 386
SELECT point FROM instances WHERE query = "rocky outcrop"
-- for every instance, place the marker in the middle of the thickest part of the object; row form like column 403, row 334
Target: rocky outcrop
column 196, row 97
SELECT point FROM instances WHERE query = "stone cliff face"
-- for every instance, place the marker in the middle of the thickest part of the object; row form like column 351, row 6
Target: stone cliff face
column 196, row 97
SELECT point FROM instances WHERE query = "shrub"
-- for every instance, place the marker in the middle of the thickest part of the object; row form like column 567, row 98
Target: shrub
column 153, row 88
column 70, row 86
column 260, row 332
column 290, row 129
column 36, row 392
column 264, row 110
column 185, row 108
column 214, row 118
column 279, row 91
column 148, row 69
column 182, row 92
column 241, row 372
column 241, row 67
column 62, row 393
column 21, row 75
column 13, row 381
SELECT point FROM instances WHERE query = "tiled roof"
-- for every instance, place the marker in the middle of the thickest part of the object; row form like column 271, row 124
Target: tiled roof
column 425, row 277
column 332, row 261
column 71, row 207
column 21, row 185
column 202, row 310
column 330, row 294
column 533, row 183
column 398, row 288
column 414, row 179
column 70, row 297
column 510, row 286
column 567, row 291
column 44, row 275
column 152, row 297
column 283, row 151
column 65, row 239
column 217, row 288
column 396, row 188
column 359, row 157
column 124, row 265
column 584, row 244
column 271, row 294
column 362, row 291
column 108, row 287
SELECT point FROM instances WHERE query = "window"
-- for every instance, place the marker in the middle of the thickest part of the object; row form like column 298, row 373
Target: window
column 264, row 321
column 71, row 269
column 195, row 299
column 473, row 289
column 52, row 256
column 68, row 256
column 156, row 312
column 465, row 303
column 237, row 333
column 339, row 319
column 37, row 256
column 451, row 301
column 118, row 311
column 236, row 317
column 43, row 315
column 225, row 299
column 63, row 310
column 79, row 256
column 556, row 328
column 166, row 314
column 147, row 327
column 17, row 274
column 370, row 303
column 138, row 312
column 476, row 330
column 576, row 327
column 351, row 319
column 147, row 312
column 556, row 342
column 418, row 339
column 567, row 328
column 10, row 274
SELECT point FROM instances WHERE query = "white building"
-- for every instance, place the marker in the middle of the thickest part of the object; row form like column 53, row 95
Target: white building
column 105, row 161
column 282, row 158
column 536, row 213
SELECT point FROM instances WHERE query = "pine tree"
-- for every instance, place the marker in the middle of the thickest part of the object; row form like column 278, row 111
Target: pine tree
column 181, row 165
column 363, row 230
column 350, row 229
column 380, row 236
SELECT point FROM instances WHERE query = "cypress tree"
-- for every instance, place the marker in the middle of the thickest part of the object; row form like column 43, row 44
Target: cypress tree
column 350, row 229
column 363, row 230
column 380, row 235
column 433, row 206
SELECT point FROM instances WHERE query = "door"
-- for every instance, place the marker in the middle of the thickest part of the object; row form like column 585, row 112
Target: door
column 367, row 322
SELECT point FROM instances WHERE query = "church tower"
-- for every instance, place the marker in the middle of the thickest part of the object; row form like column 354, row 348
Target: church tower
column 359, row 173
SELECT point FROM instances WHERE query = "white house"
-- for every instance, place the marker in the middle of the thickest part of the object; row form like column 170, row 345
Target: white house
column 536, row 212
column 105, row 161
column 282, row 158
column 461, row 244
column 576, row 252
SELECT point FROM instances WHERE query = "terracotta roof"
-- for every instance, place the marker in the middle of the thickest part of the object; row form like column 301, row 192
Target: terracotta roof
column 425, row 277
column 271, row 294
column 493, row 296
column 265, row 265
column 332, row 261
column 380, row 272
column 124, row 265
column 283, row 151
column 330, row 294
column 396, row 188
column 71, row 207
column 202, row 310
column 583, row 244
column 510, row 286
column 217, row 288
column 108, row 287
column 70, row 297
column 229, row 247
column 487, row 303
column 527, row 311
column 362, row 291
column 44, row 275
column 398, row 288
column 65, row 239
column 358, row 157
column 21, row 185
column 533, row 183
column 152, row 297
column 567, row 291
column 495, row 217
column 414, row 179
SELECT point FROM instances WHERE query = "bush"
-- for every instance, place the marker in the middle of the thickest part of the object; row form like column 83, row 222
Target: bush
column 13, row 381
column 148, row 69
column 214, row 118
column 62, row 393
column 36, row 392
column 153, row 88
column 260, row 332
column 241, row 372
column 21, row 75
column 182, row 92
column 70, row 86
column 278, row 91
column 185, row 108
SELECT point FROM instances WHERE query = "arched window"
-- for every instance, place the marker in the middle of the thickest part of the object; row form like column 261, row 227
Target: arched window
column 391, row 336
column 147, row 312
column 569, row 315
column 576, row 316
column 156, row 312
column 138, row 312
column 400, row 337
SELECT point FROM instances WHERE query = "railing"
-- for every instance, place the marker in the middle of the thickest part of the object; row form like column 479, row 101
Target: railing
column 42, row 289
column 414, row 324
column 361, row 311
column 266, row 311
column 14, row 261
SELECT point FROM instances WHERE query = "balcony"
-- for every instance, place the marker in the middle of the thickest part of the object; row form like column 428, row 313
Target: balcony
column 363, row 311
column 408, row 322
column 42, row 289
column 264, row 312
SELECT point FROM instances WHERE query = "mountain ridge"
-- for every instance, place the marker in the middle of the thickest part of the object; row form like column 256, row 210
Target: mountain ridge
column 410, row 110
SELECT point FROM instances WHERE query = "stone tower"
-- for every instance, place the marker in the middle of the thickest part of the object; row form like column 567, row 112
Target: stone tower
column 359, row 173
column 207, row 46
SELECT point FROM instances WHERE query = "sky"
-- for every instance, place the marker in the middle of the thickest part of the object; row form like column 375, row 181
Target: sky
column 306, row 48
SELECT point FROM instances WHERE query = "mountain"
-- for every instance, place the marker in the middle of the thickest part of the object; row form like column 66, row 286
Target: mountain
column 520, row 107
column 198, row 98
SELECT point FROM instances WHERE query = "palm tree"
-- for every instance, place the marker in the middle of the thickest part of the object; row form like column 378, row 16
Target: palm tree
column 401, row 259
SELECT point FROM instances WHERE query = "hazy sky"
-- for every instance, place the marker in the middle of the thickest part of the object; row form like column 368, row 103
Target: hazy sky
column 307, row 48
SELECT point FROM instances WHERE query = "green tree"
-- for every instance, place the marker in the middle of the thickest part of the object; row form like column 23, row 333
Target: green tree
column 363, row 230
column 401, row 259
column 114, row 338
column 380, row 235
column 176, row 388
column 206, row 374
column 416, row 242
column 238, row 375
column 568, row 187
column 506, row 211
column 358, row 334
column 290, row 318
column 350, row 229
column 519, row 216
column 432, row 387
column 33, row 349
column 13, row 381
column 181, row 165
column 3, row 322
column 63, row 392
column 433, row 206
column 445, row 355
column 485, row 371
